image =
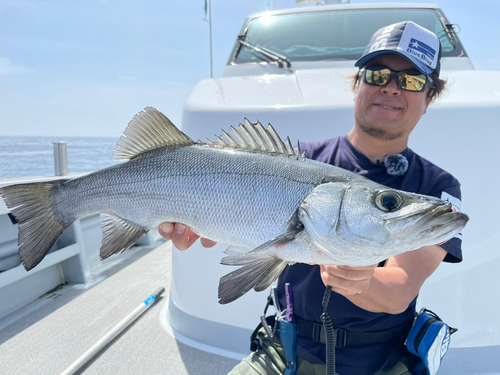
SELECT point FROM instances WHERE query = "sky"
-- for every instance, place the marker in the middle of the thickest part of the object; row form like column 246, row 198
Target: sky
column 86, row 67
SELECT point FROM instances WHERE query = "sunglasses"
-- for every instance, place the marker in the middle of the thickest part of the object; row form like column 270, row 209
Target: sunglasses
column 406, row 80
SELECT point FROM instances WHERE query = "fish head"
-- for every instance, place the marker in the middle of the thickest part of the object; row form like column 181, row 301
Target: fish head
column 360, row 222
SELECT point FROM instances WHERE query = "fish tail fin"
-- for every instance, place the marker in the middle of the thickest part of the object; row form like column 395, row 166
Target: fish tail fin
column 38, row 226
column 258, row 272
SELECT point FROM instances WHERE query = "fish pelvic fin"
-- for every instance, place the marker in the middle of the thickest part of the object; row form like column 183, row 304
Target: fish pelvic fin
column 38, row 226
column 118, row 235
column 258, row 275
column 251, row 136
column 148, row 130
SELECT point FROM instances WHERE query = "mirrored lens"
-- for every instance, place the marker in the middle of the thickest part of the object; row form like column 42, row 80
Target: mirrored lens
column 412, row 82
column 378, row 77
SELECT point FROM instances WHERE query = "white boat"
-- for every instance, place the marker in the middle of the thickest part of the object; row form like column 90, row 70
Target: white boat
column 311, row 100
column 52, row 314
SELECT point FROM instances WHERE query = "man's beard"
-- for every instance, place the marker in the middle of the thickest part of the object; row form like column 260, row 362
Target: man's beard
column 380, row 134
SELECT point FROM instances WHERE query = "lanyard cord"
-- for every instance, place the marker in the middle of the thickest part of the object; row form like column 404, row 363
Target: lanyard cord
column 329, row 333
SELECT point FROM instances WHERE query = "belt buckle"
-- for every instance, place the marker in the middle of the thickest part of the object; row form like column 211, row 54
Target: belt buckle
column 316, row 332
column 340, row 338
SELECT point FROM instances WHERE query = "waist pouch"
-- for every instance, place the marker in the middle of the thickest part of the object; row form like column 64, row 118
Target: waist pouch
column 429, row 339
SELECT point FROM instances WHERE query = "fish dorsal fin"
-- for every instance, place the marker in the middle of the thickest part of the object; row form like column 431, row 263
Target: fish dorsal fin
column 253, row 136
column 148, row 130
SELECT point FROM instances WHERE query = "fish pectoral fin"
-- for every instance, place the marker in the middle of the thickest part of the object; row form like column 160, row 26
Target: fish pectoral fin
column 240, row 256
column 236, row 251
column 258, row 274
column 260, row 268
column 118, row 235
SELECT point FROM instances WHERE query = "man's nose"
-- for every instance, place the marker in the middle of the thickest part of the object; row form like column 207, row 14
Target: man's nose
column 391, row 88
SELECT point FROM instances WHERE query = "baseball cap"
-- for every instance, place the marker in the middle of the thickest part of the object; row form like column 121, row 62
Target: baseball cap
column 418, row 45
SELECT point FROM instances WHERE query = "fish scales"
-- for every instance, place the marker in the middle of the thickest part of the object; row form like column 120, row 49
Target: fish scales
column 235, row 197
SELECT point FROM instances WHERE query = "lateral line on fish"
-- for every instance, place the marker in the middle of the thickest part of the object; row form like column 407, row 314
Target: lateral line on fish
column 72, row 194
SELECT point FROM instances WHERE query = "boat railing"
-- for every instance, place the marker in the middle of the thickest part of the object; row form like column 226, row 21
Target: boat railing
column 72, row 259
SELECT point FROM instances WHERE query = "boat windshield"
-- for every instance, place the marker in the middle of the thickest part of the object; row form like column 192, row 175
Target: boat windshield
column 333, row 34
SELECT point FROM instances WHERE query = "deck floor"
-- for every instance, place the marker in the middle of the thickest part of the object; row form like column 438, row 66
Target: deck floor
column 46, row 336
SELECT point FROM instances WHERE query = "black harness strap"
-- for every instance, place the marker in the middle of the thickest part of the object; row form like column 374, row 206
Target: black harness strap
column 315, row 331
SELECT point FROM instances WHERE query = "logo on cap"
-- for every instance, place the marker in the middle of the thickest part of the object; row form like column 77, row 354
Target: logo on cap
column 417, row 44
column 421, row 50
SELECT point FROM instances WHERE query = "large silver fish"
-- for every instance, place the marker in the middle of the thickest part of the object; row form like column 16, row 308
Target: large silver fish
column 248, row 189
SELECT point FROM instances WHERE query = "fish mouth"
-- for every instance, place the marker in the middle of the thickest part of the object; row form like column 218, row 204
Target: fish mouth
column 441, row 222
column 438, row 212
column 426, row 215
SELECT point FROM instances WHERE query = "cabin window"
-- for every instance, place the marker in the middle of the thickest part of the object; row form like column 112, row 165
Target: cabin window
column 332, row 35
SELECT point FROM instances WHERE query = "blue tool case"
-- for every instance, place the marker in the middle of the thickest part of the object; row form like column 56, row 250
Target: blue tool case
column 429, row 339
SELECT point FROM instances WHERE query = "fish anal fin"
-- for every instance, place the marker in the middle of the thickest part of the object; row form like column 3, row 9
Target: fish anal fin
column 148, row 130
column 118, row 235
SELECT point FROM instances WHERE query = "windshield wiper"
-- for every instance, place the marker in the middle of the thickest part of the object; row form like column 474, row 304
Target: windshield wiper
column 276, row 57
column 449, row 29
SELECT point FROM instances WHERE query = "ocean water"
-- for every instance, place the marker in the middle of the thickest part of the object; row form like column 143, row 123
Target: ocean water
column 34, row 156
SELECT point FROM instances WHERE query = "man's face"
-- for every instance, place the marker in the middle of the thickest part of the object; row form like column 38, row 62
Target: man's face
column 387, row 112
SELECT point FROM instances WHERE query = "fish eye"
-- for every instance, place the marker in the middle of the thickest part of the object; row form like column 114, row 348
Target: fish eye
column 389, row 201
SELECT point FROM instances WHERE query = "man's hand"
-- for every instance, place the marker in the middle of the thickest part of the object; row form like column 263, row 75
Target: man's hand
column 389, row 289
column 182, row 236
column 347, row 280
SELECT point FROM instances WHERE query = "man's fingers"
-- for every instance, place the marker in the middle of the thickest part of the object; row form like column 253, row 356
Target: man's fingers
column 350, row 273
column 344, row 286
column 363, row 268
column 166, row 229
column 182, row 236
column 345, row 280
column 205, row 242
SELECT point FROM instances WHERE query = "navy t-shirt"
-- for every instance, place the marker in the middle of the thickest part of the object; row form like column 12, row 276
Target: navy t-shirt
column 422, row 177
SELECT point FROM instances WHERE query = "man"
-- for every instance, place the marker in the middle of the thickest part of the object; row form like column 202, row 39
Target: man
column 397, row 81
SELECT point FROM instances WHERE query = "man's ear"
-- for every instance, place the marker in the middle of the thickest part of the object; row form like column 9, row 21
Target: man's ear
column 428, row 100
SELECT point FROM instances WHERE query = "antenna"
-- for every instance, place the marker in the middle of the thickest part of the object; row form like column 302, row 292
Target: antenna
column 208, row 8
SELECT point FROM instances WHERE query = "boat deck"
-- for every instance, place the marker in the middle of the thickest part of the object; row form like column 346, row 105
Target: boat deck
column 49, row 334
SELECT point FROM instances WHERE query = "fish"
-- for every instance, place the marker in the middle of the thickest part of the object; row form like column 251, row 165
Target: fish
column 247, row 188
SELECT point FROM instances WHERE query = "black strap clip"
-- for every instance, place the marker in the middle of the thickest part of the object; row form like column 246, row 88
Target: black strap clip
column 317, row 332
column 340, row 338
